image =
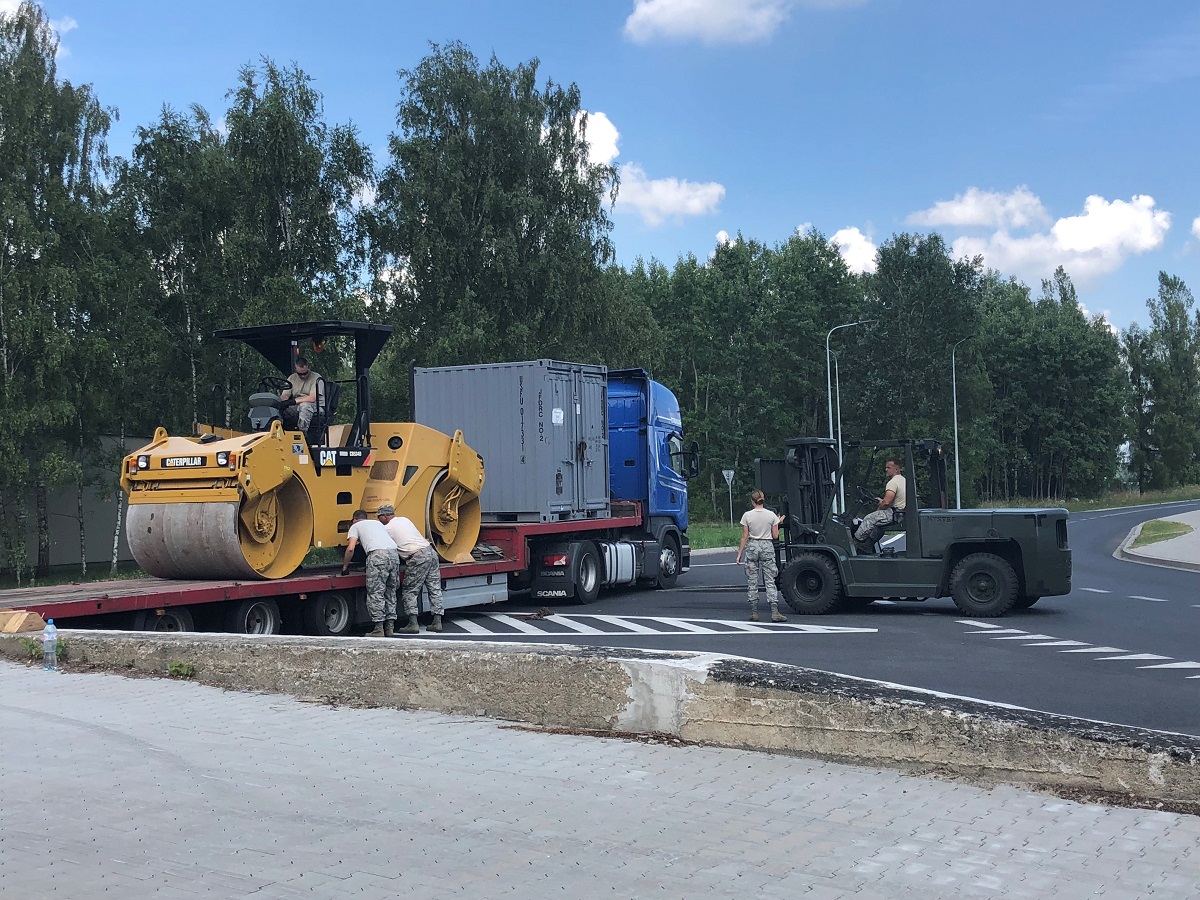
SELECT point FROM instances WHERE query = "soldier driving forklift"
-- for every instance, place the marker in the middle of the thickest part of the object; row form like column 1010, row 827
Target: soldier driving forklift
column 988, row 560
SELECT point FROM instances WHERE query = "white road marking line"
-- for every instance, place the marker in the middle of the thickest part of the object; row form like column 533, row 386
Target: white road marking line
column 471, row 627
column 1135, row 656
column 577, row 627
column 1059, row 644
column 1022, row 637
column 623, row 623
column 1174, row 665
column 1096, row 590
column 1096, row 650
column 521, row 626
column 977, row 623
column 1151, row 599
column 687, row 626
column 1000, row 630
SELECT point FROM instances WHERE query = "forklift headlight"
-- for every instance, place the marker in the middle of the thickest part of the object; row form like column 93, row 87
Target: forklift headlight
column 223, row 458
column 143, row 462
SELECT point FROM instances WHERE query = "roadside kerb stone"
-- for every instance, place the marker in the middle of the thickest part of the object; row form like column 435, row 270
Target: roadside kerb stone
column 711, row 698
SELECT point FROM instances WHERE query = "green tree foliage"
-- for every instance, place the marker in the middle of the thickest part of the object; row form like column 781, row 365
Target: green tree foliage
column 492, row 228
column 52, row 156
column 1163, row 367
column 295, row 248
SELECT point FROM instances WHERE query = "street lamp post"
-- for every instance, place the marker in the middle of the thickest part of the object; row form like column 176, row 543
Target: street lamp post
column 954, row 394
column 837, row 390
column 829, row 392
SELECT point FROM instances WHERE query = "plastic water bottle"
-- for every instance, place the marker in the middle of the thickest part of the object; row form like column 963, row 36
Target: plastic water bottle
column 50, row 646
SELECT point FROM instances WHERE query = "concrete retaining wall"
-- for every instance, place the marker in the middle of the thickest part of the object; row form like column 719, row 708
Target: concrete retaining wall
column 709, row 698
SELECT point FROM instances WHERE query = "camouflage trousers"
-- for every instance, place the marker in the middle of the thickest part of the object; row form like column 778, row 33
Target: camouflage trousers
column 383, row 575
column 421, row 570
column 760, row 557
column 871, row 528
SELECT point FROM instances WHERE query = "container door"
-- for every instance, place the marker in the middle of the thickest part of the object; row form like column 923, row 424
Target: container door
column 592, row 442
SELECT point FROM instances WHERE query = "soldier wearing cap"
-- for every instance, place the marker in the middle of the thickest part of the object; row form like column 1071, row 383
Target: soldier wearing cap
column 421, row 568
column 383, row 570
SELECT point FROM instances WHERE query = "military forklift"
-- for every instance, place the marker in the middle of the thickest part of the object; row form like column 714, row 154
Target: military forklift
column 988, row 560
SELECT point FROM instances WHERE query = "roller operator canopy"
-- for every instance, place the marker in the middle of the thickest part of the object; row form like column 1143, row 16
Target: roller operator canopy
column 274, row 342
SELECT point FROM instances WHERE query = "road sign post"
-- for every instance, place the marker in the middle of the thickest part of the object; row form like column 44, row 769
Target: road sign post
column 728, row 473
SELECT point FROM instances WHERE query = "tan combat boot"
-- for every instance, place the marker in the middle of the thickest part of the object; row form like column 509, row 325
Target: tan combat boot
column 378, row 632
column 777, row 616
column 411, row 628
column 389, row 627
column 436, row 624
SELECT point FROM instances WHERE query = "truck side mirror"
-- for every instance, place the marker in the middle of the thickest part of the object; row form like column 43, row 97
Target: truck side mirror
column 691, row 461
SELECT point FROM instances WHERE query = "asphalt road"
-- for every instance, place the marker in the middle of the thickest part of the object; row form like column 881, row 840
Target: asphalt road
column 1120, row 648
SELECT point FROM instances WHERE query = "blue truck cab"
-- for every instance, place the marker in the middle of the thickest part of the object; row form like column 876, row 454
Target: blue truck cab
column 648, row 460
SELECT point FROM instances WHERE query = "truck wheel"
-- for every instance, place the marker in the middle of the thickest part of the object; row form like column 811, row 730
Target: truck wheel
column 1025, row 602
column 329, row 614
column 983, row 585
column 810, row 584
column 174, row 618
column 587, row 573
column 668, row 563
column 253, row 617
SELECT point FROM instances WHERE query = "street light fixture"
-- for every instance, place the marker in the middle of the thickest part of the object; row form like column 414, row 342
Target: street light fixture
column 829, row 391
column 954, row 394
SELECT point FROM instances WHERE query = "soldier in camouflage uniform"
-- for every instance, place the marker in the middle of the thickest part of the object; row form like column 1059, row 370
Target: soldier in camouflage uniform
column 383, row 571
column 421, row 568
column 760, row 528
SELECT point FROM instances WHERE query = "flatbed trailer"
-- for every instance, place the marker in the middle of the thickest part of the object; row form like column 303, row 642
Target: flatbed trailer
column 320, row 600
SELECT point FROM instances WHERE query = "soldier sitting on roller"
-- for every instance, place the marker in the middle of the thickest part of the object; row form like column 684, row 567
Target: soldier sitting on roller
column 306, row 391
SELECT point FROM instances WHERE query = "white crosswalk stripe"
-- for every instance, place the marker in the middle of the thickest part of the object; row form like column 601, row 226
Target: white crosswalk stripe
column 996, row 632
column 501, row 624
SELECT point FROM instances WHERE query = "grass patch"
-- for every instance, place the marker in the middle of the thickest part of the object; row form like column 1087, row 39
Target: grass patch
column 1160, row 530
column 1114, row 500
column 96, row 572
column 180, row 670
column 706, row 535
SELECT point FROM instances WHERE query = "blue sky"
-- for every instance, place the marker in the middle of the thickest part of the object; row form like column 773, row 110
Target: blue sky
column 1036, row 134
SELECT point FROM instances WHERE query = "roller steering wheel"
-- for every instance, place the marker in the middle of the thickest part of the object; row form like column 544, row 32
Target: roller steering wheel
column 866, row 496
column 275, row 383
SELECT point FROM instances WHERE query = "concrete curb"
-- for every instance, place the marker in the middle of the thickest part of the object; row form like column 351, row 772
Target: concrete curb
column 1125, row 553
column 709, row 698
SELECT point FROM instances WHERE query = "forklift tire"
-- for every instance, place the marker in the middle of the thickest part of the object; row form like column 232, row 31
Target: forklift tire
column 983, row 585
column 810, row 584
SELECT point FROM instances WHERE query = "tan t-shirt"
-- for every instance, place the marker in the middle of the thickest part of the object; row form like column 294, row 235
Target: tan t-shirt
column 302, row 387
column 759, row 522
column 406, row 536
column 896, row 485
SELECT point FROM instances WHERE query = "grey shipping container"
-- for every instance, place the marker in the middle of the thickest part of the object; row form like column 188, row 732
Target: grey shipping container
column 540, row 426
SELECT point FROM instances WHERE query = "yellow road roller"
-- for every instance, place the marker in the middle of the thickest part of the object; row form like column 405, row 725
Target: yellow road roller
column 249, row 504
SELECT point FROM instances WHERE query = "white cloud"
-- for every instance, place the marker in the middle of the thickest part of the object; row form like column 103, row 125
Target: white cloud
column 1020, row 209
column 856, row 249
column 1097, row 241
column 602, row 137
column 716, row 21
column 1196, row 227
column 723, row 238
column 658, row 199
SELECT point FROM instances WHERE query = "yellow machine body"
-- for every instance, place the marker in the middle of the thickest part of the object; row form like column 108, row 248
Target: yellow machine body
column 228, row 504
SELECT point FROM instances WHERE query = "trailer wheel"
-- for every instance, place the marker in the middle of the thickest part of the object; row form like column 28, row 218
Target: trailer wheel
column 668, row 563
column 254, row 617
column 810, row 584
column 174, row 618
column 329, row 614
column 983, row 585
column 586, row 573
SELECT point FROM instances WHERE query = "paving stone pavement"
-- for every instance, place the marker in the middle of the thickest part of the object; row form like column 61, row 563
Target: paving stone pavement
column 118, row 787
